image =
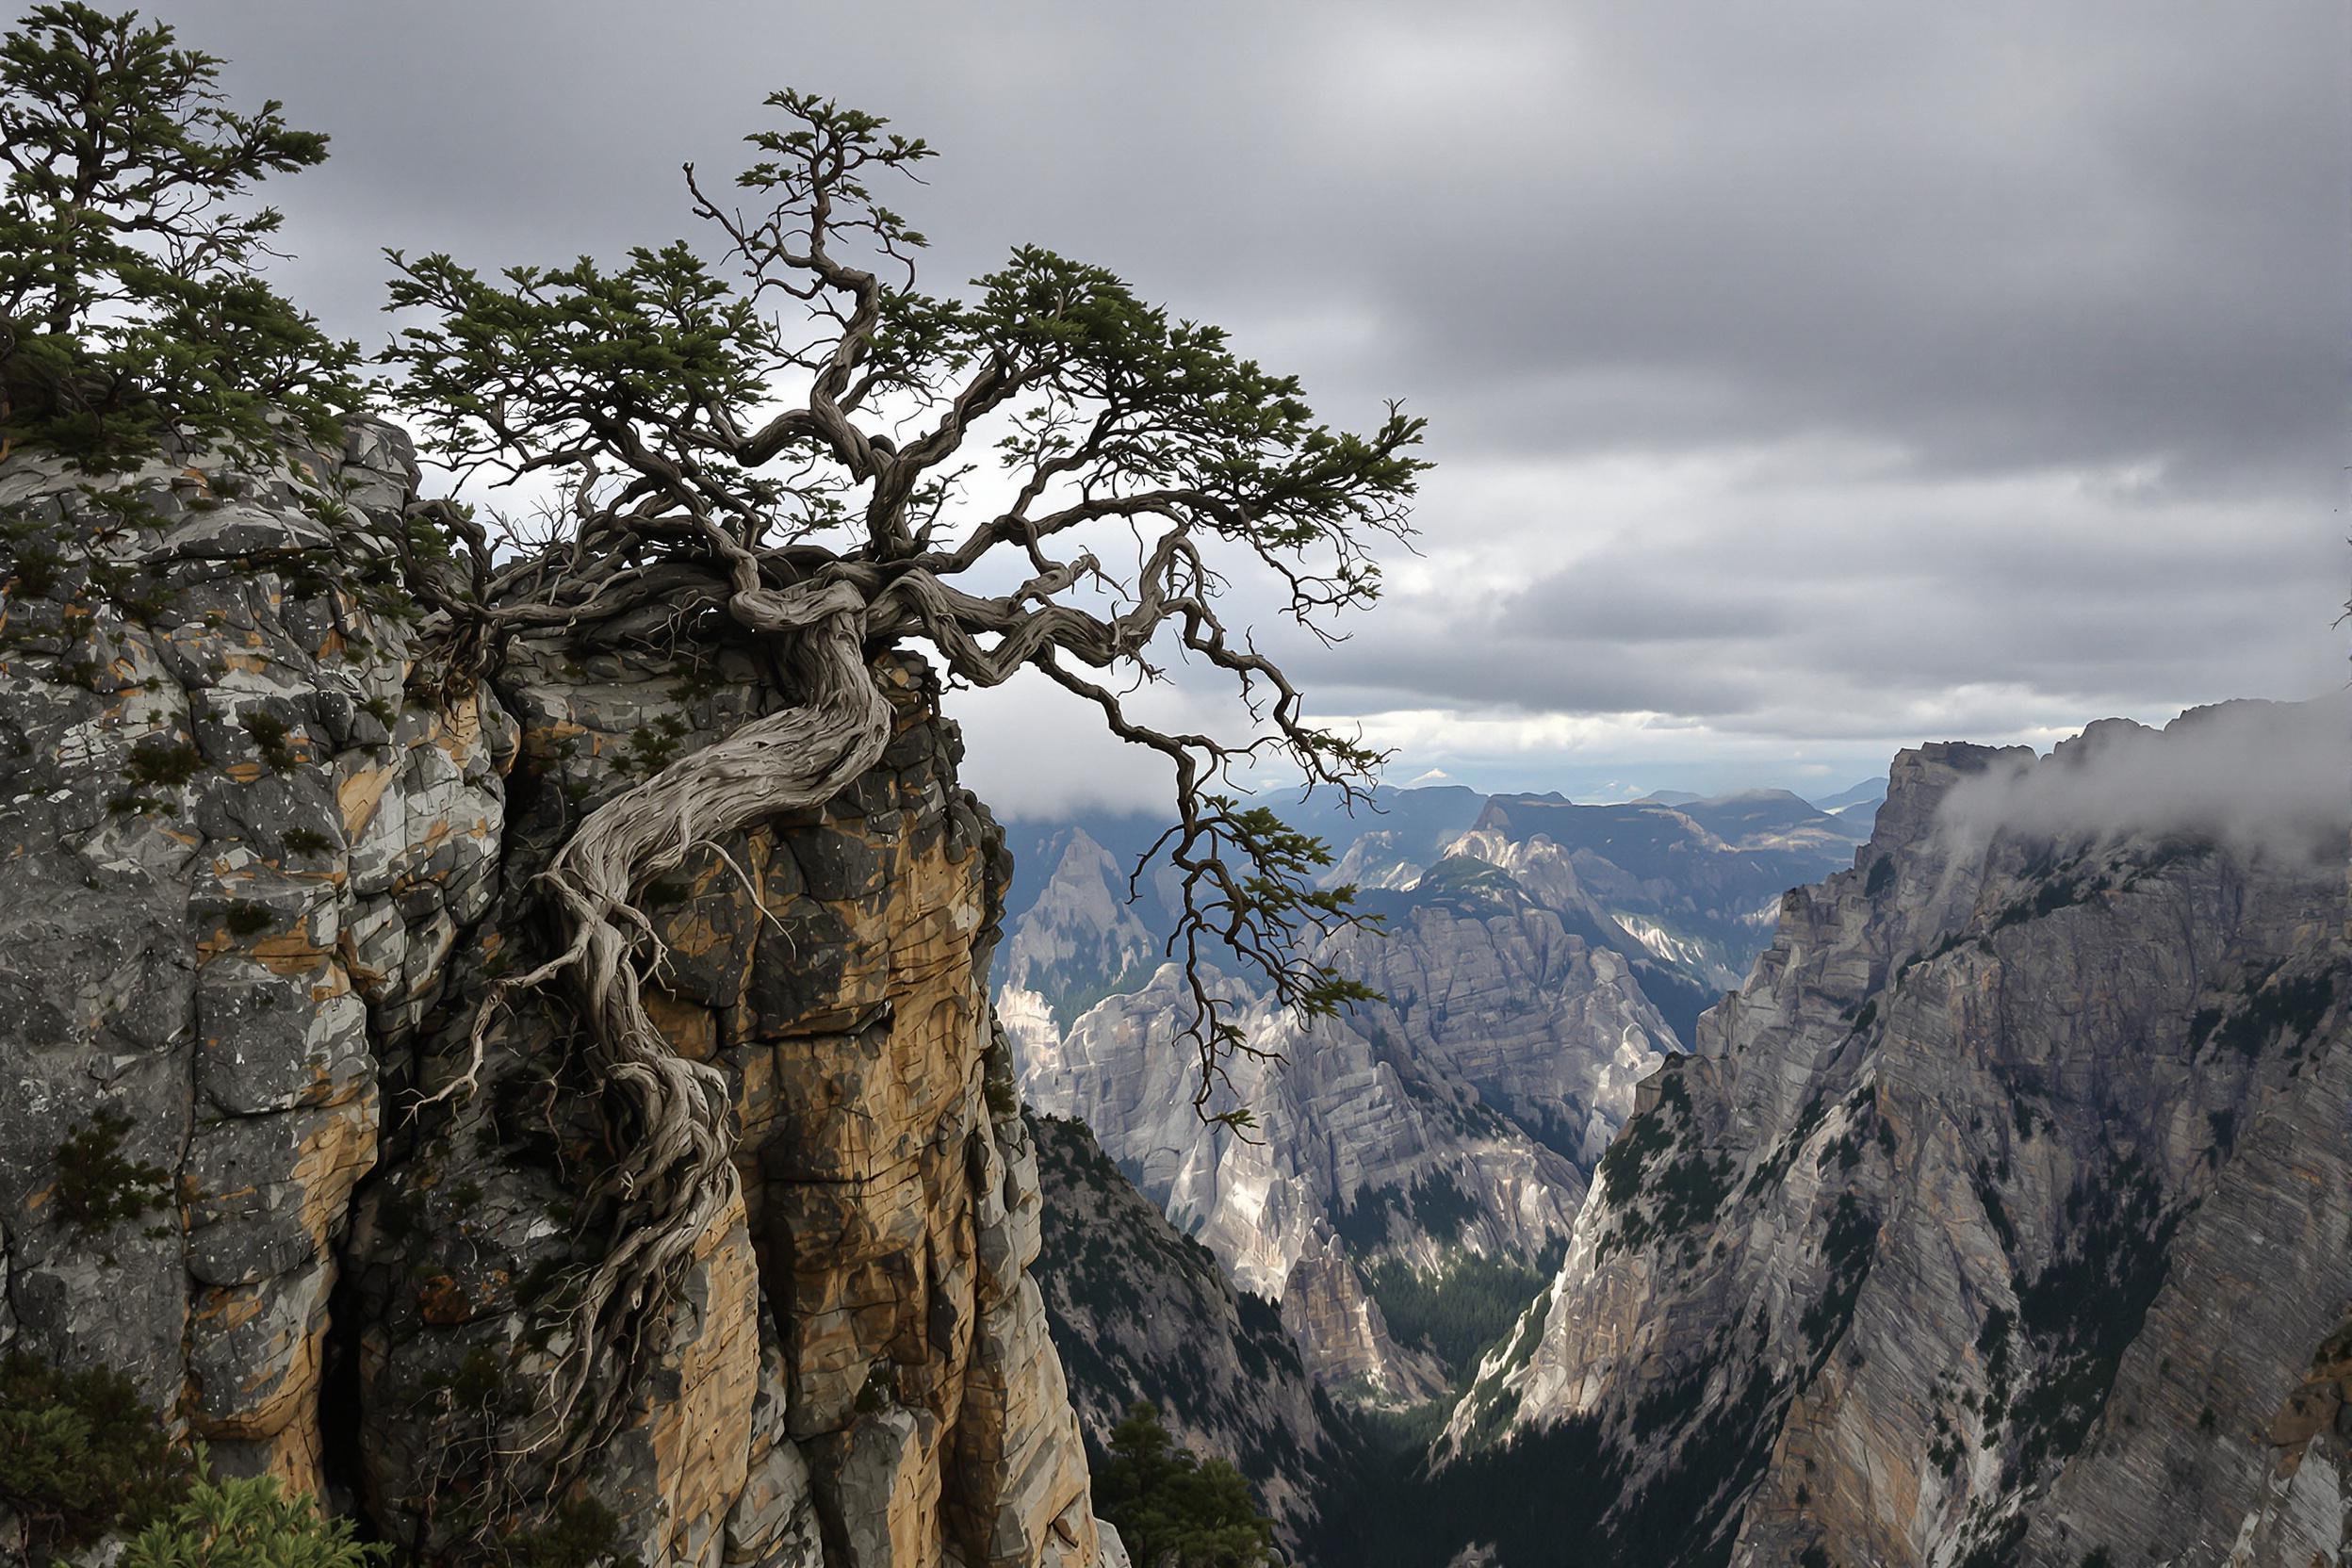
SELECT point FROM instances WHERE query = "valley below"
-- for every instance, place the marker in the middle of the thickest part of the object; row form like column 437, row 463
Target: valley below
column 1997, row 1212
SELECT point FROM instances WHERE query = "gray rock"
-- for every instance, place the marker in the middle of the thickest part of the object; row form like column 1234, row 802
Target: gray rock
column 2003, row 1209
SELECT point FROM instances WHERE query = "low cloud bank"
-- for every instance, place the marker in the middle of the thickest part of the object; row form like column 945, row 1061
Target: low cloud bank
column 2261, row 776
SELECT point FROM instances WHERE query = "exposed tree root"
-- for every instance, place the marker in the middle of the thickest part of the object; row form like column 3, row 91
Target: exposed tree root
column 673, row 1119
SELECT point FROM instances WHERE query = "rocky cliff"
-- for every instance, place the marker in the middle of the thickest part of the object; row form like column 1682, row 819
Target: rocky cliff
column 1455, row 1121
column 2004, row 1217
column 259, row 865
column 1080, row 938
column 1142, row 1312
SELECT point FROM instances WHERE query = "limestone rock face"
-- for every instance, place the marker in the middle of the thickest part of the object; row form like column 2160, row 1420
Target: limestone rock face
column 1081, row 938
column 2004, row 1216
column 1345, row 1336
column 258, row 867
column 1460, row 1116
column 233, row 854
column 1141, row 1312
column 1349, row 1130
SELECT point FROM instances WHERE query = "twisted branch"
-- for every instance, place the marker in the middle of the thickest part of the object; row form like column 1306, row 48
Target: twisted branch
column 652, row 388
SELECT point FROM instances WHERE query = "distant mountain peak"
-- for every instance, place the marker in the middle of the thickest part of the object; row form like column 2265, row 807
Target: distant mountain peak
column 1868, row 791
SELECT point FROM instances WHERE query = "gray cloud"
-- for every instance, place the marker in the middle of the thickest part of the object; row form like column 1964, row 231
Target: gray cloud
column 1850, row 374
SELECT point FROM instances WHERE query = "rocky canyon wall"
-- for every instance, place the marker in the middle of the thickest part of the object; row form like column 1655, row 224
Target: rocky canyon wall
column 1454, row 1119
column 258, row 867
column 2004, row 1216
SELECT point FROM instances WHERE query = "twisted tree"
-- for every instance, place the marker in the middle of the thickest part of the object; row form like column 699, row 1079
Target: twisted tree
column 781, row 437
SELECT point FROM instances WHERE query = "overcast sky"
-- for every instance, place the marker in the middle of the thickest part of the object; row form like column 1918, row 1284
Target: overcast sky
column 1806, row 381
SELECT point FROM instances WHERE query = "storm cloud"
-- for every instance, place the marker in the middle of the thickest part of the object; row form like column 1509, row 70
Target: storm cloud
column 1804, row 380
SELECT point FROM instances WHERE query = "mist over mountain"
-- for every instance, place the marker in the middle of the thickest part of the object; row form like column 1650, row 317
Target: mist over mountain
column 2265, row 777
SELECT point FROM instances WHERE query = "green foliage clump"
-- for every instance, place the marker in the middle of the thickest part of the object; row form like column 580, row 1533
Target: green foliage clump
column 272, row 737
column 653, row 747
column 1687, row 1187
column 247, row 919
column 1642, row 1139
column 1846, row 1250
column 2062, row 891
column 248, row 1523
column 1996, row 1212
column 2083, row 1311
column 580, row 1532
column 1997, row 1547
column 1173, row 1509
column 81, row 1454
column 1442, row 1206
column 130, row 303
column 97, row 1187
column 157, row 763
column 306, row 841
column 1770, row 1170
column 2268, row 1007
column 1469, row 885
column 1457, row 1312
column 1575, row 1491
column 1362, row 1222
column 1492, row 1407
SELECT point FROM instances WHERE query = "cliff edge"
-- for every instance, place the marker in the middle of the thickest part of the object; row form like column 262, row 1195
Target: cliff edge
column 259, row 866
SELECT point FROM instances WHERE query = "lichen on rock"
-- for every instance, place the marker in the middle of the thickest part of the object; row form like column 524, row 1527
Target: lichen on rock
column 261, row 871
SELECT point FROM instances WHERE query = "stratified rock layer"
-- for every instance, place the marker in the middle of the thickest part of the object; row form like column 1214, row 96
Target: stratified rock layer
column 2004, row 1216
column 261, row 864
column 1141, row 1312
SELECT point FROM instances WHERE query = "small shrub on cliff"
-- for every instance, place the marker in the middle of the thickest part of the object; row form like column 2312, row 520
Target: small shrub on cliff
column 580, row 1533
column 157, row 763
column 247, row 1524
column 81, row 1454
column 247, row 919
column 97, row 1187
column 272, row 737
column 306, row 841
column 1173, row 1509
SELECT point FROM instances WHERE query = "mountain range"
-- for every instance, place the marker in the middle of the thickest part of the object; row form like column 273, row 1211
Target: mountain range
column 1420, row 1158
column 2000, row 1212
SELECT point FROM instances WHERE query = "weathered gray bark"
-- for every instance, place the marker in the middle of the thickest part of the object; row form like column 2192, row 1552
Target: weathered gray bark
column 675, row 1179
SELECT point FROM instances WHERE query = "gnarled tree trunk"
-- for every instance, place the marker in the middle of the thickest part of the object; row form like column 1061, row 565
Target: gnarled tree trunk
column 673, row 1119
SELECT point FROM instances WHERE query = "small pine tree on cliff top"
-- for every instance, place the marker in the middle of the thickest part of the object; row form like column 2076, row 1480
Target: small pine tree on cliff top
column 130, row 306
